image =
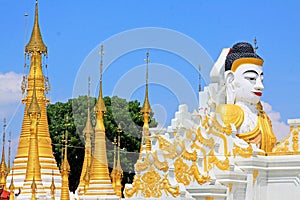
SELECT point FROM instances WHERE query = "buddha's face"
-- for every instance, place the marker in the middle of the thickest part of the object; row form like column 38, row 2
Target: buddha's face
column 248, row 83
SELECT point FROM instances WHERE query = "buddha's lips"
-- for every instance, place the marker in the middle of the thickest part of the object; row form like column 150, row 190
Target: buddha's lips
column 258, row 93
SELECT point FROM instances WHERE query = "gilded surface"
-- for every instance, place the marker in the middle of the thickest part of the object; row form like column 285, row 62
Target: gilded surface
column 255, row 174
column 181, row 172
column 221, row 164
column 195, row 173
column 231, row 114
column 295, row 138
column 243, row 152
column 151, row 188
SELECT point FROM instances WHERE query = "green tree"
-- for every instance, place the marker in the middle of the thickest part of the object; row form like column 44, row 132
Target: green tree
column 119, row 111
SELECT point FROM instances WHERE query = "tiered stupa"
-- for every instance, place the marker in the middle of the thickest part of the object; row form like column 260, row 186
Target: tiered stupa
column 99, row 185
column 44, row 166
column 88, row 132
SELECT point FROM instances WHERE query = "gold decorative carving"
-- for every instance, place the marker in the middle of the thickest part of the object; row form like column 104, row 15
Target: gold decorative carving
column 201, row 179
column 283, row 146
column 243, row 152
column 194, row 145
column 295, row 139
column 166, row 186
column 151, row 184
column 181, row 171
column 142, row 165
column 189, row 156
column 207, row 142
column 222, row 165
column 158, row 164
column 167, row 146
column 230, row 187
column 137, row 185
column 151, row 188
column 255, row 174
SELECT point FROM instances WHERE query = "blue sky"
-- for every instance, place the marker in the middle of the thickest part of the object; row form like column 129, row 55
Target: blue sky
column 73, row 31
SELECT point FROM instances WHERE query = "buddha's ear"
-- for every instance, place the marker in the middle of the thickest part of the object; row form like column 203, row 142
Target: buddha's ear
column 230, row 90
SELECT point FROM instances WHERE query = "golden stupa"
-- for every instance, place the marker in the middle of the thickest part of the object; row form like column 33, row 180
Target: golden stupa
column 34, row 160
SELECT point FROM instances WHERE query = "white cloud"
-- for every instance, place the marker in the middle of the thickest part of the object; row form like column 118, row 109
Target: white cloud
column 10, row 92
column 280, row 128
column 10, row 88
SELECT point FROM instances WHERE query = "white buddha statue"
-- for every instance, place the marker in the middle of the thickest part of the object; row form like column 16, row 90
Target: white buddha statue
column 244, row 87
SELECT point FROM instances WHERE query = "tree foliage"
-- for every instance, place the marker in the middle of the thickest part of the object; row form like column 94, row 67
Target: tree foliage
column 118, row 111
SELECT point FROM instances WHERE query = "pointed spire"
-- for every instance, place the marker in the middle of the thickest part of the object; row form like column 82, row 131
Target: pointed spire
column 146, row 106
column 100, row 106
column 36, row 42
column 119, row 171
column 100, row 182
column 113, row 172
column 12, row 188
column 65, row 168
column 88, row 129
column 119, row 147
column 9, row 151
column 33, row 189
column 52, row 188
column 3, row 168
column 146, row 110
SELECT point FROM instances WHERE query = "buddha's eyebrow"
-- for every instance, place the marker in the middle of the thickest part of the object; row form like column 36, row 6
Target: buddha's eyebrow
column 251, row 71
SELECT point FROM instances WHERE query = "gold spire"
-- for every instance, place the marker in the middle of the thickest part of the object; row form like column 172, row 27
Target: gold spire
column 100, row 182
column 3, row 168
column 33, row 189
column 52, row 188
column 146, row 106
column 100, row 106
column 12, row 188
column 119, row 171
column 65, row 168
column 35, row 104
column 146, row 110
column 9, row 151
column 36, row 42
column 87, row 131
column 113, row 172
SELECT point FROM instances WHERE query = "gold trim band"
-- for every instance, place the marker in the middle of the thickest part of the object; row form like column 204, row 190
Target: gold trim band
column 241, row 61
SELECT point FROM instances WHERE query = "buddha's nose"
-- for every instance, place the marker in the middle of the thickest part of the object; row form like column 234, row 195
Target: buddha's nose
column 259, row 85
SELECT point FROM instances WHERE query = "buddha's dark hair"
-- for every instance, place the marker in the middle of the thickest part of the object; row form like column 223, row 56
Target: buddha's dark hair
column 240, row 50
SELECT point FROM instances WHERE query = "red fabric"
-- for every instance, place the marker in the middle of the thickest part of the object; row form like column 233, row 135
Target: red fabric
column 4, row 195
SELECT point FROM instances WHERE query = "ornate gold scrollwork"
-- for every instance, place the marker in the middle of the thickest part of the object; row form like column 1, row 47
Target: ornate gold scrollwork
column 158, row 164
column 166, row 186
column 142, row 165
column 212, row 159
column 166, row 146
column 181, row 172
column 243, row 152
column 189, row 156
column 295, row 138
column 151, row 188
column 207, row 142
column 201, row 179
column 136, row 186
column 194, row 145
